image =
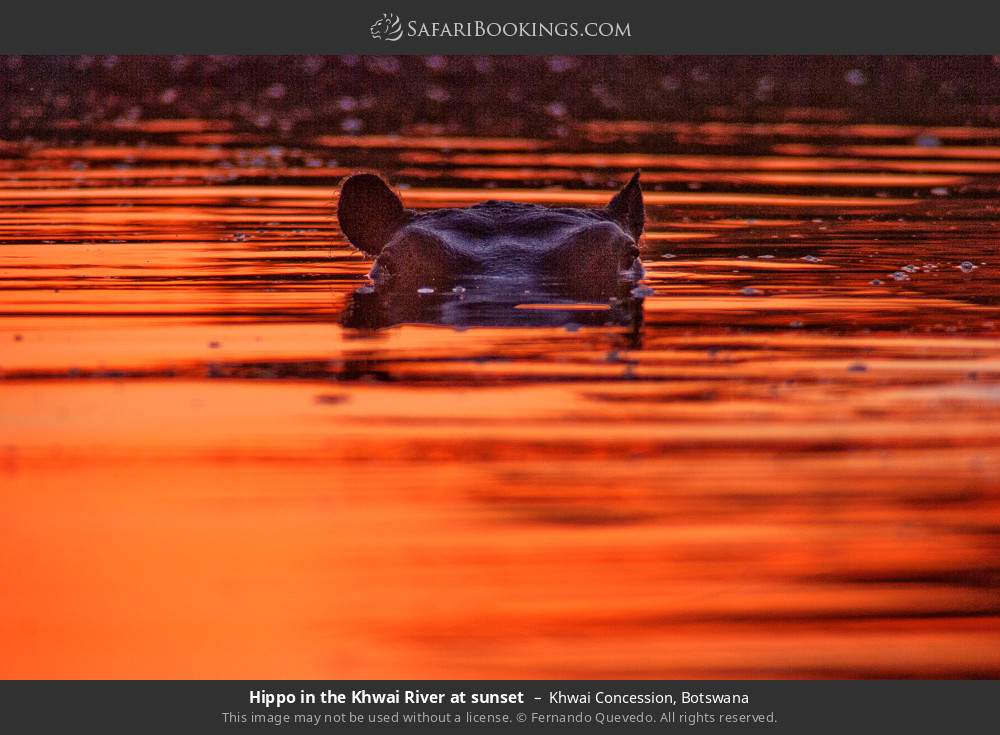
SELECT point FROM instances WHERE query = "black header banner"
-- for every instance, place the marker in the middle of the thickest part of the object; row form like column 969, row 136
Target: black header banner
column 511, row 27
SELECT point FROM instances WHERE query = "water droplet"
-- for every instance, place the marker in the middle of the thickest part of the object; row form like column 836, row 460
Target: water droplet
column 351, row 125
column 855, row 77
column 556, row 109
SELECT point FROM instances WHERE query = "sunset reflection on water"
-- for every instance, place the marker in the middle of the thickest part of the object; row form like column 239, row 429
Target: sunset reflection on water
column 789, row 468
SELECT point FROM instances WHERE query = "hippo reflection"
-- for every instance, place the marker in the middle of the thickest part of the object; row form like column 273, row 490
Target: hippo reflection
column 494, row 263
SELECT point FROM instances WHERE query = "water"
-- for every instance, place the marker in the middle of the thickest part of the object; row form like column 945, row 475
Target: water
column 786, row 466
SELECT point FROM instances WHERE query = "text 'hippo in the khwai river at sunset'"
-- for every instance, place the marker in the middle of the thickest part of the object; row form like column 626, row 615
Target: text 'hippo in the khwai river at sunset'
column 493, row 254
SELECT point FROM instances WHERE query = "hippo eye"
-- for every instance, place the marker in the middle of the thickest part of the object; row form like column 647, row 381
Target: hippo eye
column 596, row 252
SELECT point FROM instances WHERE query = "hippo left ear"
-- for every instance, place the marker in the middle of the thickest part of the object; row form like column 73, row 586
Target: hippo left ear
column 627, row 208
column 369, row 212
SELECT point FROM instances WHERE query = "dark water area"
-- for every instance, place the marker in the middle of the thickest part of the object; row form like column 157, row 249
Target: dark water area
column 223, row 455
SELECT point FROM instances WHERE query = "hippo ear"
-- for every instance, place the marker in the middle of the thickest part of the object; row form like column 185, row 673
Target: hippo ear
column 369, row 212
column 627, row 209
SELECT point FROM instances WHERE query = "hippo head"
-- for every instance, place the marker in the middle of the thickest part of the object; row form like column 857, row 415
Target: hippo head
column 497, row 254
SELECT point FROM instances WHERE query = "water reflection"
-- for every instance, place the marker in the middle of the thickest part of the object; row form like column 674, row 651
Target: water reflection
column 496, row 302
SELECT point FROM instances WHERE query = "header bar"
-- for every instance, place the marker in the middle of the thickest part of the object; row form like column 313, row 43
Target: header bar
column 511, row 27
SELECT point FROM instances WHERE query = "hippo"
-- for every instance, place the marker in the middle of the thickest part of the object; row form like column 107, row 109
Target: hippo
column 494, row 262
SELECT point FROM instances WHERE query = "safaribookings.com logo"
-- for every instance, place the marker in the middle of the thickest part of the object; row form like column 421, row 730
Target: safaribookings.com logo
column 387, row 28
column 390, row 28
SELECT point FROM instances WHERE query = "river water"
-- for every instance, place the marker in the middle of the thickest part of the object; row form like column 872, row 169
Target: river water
column 784, row 462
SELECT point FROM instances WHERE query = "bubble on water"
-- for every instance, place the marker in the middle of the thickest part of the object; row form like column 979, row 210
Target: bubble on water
column 667, row 256
column 346, row 104
column 351, row 124
column 812, row 259
column 967, row 267
column 765, row 257
column 700, row 75
column 796, row 323
column 458, row 289
column 855, row 77
column 940, row 191
column 670, row 83
column 241, row 236
column 425, row 289
column 642, row 291
column 899, row 276
column 910, row 268
column 751, row 291
column 927, row 141
column 875, row 282
column 383, row 64
column 437, row 94
column 561, row 64
column 556, row 109
column 313, row 64
column 857, row 367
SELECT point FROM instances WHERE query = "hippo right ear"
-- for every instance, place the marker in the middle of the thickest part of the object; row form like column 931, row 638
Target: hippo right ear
column 369, row 212
column 627, row 208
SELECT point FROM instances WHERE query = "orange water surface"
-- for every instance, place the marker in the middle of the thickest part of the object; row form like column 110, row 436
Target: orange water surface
column 790, row 468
